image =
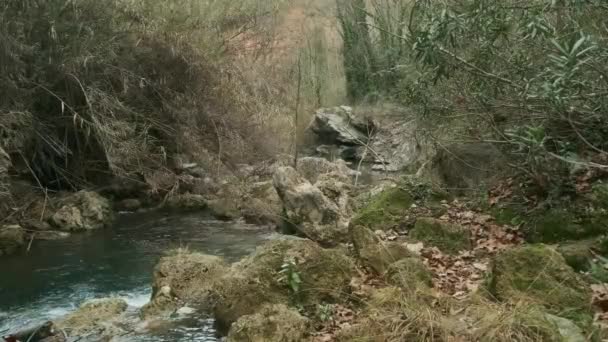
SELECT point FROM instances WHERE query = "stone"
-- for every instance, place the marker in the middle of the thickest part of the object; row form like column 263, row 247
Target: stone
column 12, row 238
column 384, row 210
column 262, row 205
column 540, row 274
column 468, row 166
column 311, row 168
column 309, row 210
column 410, row 274
column 129, row 204
column 578, row 254
column 224, row 209
column 373, row 253
column 5, row 165
column 186, row 202
column 256, row 280
column 567, row 329
column 339, row 126
column 271, row 323
column 557, row 225
column 183, row 276
column 448, row 237
column 395, row 147
column 84, row 210
column 50, row 235
column 97, row 316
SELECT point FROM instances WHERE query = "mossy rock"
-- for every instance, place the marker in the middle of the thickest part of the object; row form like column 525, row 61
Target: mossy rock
column 449, row 238
column 540, row 274
column 373, row 253
column 577, row 254
column 561, row 225
column 189, row 275
column 94, row 316
column 239, row 294
column 325, row 272
column 12, row 238
column 385, row 210
column 409, row 273
column 255, row 281
column 272, row 323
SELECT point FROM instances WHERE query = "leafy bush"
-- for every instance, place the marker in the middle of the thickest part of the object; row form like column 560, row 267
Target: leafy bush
column 530, row 77
column 121, row 86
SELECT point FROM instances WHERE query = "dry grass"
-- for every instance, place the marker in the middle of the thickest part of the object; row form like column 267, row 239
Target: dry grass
column 393, row 314
column 150, row 83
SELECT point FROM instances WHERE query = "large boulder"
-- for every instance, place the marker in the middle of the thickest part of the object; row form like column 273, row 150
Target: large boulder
column 262, row 204
column 309, row 210
column 373, row 253
column 385, row 210
column 98, row 316
column 12, row 238
column 409, row 273
column 339, row 126
column 312, row 167
column 84, row 210
column 261, row 278
column 539, row 274
column 186, row 202
column 469, row 166
column 272, row 323
column 448, row 237
column 394, row 146
column 5, row 165
column 183, row 276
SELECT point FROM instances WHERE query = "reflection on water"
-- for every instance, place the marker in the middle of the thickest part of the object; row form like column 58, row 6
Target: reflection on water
column 55, row 277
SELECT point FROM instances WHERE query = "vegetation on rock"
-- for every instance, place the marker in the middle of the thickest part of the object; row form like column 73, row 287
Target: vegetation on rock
column 539, row 274
column 448, row 237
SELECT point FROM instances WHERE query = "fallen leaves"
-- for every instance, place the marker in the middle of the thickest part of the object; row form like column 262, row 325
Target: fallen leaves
column 461, row 274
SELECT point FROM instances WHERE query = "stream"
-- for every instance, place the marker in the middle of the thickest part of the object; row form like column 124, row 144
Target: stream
column 55, row 277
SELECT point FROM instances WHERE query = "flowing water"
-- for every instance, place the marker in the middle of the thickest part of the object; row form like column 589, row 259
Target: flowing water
column 55, row 277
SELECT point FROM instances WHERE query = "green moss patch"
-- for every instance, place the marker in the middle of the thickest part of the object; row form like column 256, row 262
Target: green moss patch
column 540, row 274
column 409, row 273
column 450, row 238
column 385, row 209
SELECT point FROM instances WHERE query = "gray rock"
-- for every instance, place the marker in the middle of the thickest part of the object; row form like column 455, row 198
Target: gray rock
column 84, row 210
column 12, row 238
column 569, row 331
column 463, row 167
column 272, row 323
column 313, row 214
column 339, row 126
column 312, row 167
column 129, row 204
column 99, row 317
column 5, row 163
column 394, row 147
column 51, row 235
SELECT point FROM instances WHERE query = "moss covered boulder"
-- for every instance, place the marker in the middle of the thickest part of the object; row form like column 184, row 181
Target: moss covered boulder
column 272, row 323
column 184, row 276
column 258, row 279
column 309, row 210
column 409, row 273
column 385, row 210
column 325, row 272
column 578, row 254
column 540, row 274
column 98, row 316
column 374, row 253
column 82, row 211
column 450, row 238
column 12, row 238
column 561, row 225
